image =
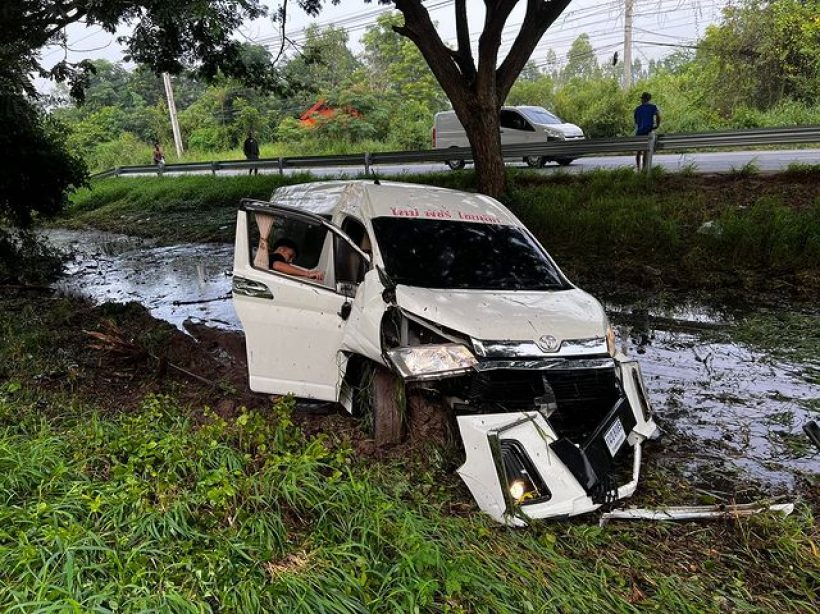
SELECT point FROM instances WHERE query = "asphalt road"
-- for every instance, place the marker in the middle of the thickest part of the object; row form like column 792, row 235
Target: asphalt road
column 706, row 163
column 713, row 162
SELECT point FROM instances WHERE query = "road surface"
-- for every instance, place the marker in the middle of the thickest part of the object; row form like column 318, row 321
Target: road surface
column 712, row 162
column 705, row 163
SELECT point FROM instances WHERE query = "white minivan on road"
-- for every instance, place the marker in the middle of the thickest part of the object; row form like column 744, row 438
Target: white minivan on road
column 519, row 125
column 425, row 293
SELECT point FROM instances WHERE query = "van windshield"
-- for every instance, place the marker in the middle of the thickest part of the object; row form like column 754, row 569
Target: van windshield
column 463, row 255
column 538, row 115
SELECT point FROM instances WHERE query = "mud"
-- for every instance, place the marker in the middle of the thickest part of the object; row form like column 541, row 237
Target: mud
column 728, row 410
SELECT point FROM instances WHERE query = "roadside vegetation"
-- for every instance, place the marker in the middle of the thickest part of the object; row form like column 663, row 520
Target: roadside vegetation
column 673, row 230
column 129, row 487
column 757, row 68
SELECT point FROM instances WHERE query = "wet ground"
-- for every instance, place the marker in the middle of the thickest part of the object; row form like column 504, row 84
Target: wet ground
column 728, row 407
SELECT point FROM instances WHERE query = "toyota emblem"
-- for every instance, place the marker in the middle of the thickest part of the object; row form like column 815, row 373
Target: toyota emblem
column 548, row 343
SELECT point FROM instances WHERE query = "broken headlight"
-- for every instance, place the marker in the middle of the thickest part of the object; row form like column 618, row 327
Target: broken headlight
column 524, row 484
column 430, row 361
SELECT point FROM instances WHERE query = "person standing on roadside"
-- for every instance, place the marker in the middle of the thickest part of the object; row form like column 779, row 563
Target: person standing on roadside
column 159, row 157
column 251, row 149
column 647, row 119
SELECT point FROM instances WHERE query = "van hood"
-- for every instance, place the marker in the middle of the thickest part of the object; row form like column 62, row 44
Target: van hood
column 508, row 316
column 565, row 130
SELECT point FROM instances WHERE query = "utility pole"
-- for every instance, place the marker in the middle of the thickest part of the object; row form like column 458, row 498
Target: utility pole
column 172, row 111
column 628, row 10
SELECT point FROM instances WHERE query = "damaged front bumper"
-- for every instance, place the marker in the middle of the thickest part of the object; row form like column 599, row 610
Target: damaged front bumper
column 532, row 464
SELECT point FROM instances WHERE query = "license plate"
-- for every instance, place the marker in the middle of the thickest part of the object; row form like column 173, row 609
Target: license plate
column 615, row 437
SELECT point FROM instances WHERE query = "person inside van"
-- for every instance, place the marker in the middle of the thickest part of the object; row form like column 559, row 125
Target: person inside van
column 281, row 257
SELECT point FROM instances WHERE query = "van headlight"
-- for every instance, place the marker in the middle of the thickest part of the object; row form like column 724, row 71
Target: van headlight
column 431, row 361
column 554, row 134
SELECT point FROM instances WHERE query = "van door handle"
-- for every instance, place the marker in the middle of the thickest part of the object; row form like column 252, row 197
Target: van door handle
column 247, row 287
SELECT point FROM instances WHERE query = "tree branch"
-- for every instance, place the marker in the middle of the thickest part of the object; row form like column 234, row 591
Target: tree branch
column 490, row 40
column 464, row 55
column 283, row 16
column 419, row 28
column 60, row 23
column 540, row 15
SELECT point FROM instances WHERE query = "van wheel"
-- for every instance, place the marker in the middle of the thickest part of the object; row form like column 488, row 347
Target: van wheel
column 456, row 165
column 564, row 161
column 380, row 402
column 535, row 161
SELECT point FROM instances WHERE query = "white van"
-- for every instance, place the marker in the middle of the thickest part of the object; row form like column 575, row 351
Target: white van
column 518, row 125
column 428, row 295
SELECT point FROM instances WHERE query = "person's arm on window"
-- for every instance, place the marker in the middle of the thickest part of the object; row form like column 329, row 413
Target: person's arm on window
column 296, row 271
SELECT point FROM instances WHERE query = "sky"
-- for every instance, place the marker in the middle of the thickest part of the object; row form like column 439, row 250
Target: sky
column 658, row 26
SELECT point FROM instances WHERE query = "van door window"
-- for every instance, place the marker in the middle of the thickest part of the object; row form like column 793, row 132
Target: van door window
column 357, row 233
column 304, row 244
column 350, row 265
column 513, row 120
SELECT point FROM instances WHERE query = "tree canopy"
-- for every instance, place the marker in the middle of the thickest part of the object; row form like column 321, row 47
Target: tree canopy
column 38, row 169
column 165, row 36
column 762, row 52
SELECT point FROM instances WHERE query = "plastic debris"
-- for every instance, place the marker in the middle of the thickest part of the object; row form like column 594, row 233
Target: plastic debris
column 696, row 512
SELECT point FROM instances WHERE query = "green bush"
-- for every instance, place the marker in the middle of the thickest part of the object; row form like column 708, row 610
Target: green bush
column 211, row 138
column 26, row 258
column 125, row 150
column 598, row 106
column 290, row 130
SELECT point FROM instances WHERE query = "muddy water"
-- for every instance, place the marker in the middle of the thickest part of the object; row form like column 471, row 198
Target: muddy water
column 179, row 283
column 739, row 410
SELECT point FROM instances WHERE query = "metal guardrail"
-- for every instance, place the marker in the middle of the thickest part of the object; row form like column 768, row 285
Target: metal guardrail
column 755, row 137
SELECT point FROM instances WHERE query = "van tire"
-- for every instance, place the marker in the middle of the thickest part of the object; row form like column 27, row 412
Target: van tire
column 456, row 165
column 535, row 161
column 564, row 161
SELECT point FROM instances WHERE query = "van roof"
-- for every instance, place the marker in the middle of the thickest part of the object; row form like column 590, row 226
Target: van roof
column 504, row 107
column 366, row 199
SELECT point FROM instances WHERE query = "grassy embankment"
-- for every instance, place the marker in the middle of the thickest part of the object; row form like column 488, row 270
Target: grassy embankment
column 683, row 230
column 119, row 491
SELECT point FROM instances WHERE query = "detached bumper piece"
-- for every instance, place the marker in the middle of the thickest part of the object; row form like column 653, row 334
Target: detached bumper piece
column 521, row 466
column 592, row 463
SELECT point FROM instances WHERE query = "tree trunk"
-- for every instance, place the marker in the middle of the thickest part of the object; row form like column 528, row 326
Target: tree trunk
column 481, row 123
column 485, row 139
column 477, row 91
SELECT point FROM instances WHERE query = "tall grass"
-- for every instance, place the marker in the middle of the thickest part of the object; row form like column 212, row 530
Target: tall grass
column 171, row 209
column 605, row 222
column 145, row 512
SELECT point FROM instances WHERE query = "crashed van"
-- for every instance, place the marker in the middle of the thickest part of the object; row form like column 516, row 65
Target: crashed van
column 445, row 292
